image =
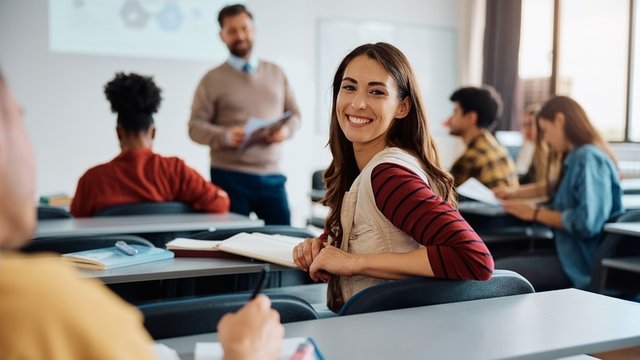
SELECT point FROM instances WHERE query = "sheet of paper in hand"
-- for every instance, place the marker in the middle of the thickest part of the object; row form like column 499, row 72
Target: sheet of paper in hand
column 256, row 130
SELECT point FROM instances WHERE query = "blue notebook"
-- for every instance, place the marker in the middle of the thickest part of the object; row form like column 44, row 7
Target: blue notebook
column 111, row 257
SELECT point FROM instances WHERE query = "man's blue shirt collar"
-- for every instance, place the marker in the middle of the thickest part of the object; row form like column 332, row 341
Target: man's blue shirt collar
column 239, row 63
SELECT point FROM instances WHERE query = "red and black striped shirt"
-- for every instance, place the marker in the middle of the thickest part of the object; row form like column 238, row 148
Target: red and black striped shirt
column 455, row 250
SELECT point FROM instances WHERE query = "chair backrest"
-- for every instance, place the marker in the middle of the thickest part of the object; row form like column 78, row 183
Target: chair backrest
column 613, row 245
column 46, row 212
column 268, row 229
column 67, row 244
column 182, row 317
column 317, row 180
column 413, row 292
column 318, row 187
column 146, row 208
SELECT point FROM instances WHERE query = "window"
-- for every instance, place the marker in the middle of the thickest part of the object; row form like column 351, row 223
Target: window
column 536, row 48
column 634, row 121
column 592, row 60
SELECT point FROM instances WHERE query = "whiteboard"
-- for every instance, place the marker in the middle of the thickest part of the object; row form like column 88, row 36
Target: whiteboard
column 432, row 52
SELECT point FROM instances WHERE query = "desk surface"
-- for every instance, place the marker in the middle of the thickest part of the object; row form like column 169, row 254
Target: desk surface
column 631, row 201
column 630, row 186
column 137, row 224
column 543, row 325
column 478, row 208
column 629, row 228
column 178, row 268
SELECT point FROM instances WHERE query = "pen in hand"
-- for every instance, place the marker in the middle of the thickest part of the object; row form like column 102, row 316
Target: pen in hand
column 262, row 280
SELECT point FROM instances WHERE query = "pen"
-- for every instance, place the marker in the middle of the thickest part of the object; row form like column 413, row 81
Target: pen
column 126, row 248
column 262, row 280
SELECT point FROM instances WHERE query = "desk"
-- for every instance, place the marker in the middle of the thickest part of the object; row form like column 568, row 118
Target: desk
column 630, row 186
column 631, row 201
column 137, row 224
column 495, row 226
column 482, row 209
column 545, row 325
column 178, row 268
column 630, row 264
column 630, row 228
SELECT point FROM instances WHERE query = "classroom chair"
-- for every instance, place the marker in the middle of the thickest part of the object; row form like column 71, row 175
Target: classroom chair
column 222, row 234
column 182, row 317
column 46, row 212
column 67, row 244
column 316, row 194
column 147, row 208
column 421, row 291
column 605, row 278
column 151, row 208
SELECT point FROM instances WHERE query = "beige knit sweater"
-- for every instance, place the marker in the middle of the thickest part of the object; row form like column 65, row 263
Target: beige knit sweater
column 225, row 98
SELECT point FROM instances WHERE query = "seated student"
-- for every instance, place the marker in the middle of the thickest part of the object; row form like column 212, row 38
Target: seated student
column 477, row 109
column 49, row 312
column 535, row 158
column 392, row 213
column 586, row 196
column 138, row 174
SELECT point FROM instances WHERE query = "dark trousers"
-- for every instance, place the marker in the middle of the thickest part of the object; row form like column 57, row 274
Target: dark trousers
column 263, row 194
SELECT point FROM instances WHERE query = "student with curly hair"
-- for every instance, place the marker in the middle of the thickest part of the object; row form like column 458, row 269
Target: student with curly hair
column 138, row 174
column 392, row 210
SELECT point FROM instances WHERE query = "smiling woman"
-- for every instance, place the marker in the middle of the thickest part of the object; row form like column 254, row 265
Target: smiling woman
column 392, row 213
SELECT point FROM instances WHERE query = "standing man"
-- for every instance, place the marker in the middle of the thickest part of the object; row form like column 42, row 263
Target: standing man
column 226, row 98
column 476, row 109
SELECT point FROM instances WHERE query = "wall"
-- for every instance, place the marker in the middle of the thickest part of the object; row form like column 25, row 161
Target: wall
column 72, row 127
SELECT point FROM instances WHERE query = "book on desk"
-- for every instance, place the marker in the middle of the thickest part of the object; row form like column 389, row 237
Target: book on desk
column 111, row 257
column 275, row 249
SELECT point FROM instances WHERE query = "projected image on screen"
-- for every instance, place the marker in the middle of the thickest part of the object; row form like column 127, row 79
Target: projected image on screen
column 185, row 29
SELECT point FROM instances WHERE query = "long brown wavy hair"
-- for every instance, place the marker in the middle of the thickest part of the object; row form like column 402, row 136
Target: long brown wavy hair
column 578, row 130
column 411, row 134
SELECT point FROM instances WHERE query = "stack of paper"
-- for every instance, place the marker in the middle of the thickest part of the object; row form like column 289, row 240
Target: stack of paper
column 474, row 189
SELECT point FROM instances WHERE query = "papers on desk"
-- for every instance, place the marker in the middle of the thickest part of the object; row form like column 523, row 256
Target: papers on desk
column 275, row 249
column 474, row 189
column 292, row 348
column 111, row 257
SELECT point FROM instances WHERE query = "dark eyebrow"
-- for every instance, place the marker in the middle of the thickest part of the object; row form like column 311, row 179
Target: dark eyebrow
column 372, row 83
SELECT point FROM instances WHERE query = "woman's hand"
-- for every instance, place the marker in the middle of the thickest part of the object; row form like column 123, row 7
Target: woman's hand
column 332, row 260
column 305, row 252
column 505, row 192
column 523, row 210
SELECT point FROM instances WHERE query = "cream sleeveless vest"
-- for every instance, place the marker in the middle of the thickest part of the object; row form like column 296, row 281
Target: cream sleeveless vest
column 365, row 229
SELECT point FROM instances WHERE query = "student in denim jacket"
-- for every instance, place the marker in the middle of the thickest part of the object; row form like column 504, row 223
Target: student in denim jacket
column 584, row 197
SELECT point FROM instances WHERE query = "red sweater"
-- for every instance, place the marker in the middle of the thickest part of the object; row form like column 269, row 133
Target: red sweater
column 455, row 250
column 143, row 176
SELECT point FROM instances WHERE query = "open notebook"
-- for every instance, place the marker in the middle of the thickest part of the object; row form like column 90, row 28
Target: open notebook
column 275, row 249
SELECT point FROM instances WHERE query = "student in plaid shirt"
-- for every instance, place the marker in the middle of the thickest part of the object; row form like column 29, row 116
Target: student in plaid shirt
column 477, row 109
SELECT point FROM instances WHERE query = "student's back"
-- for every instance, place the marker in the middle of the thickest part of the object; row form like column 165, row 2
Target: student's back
column 46, row 310
column 137, row 174
column 48, row 314
column 141, row 175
